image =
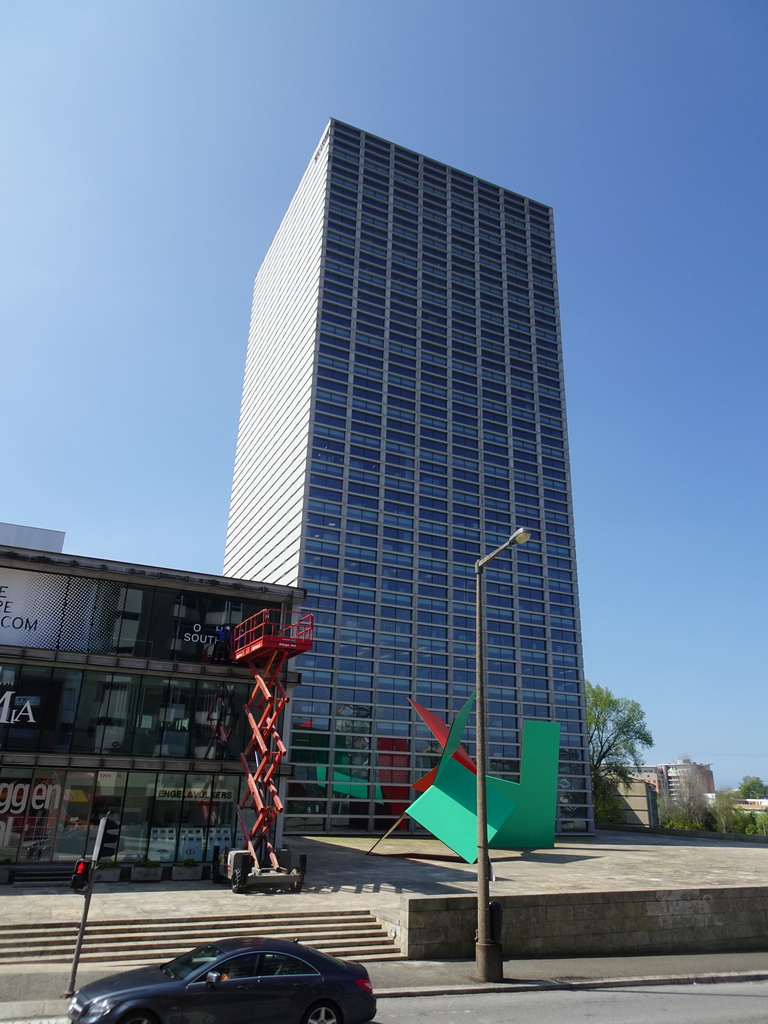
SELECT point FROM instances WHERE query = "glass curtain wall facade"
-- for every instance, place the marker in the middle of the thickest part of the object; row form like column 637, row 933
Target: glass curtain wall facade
column 51, row 814
column 405, row 328
column 115, row 697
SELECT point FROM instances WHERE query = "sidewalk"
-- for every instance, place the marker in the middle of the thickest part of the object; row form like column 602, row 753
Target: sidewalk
column 341, row 875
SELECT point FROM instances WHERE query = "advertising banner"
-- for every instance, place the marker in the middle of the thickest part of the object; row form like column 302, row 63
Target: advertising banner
column 41, row 609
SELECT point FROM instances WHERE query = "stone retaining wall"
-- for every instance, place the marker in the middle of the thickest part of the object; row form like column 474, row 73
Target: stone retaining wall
column 592, row 923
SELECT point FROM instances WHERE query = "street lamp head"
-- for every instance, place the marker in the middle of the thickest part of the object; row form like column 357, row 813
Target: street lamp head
column 520, row 536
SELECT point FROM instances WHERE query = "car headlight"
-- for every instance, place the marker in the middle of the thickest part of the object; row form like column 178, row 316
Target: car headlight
column 98, row 1009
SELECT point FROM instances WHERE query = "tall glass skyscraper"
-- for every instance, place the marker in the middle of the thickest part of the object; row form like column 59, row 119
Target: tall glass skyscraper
column 403, row 411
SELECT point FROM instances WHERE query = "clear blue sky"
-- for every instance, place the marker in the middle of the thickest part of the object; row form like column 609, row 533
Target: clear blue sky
column 149, row 150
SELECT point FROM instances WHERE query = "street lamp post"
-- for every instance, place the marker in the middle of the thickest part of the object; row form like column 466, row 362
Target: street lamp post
column 488, row 955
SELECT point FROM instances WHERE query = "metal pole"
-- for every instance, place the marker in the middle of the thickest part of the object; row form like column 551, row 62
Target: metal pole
column 488, row 955
column 489, row 959
column 84, row 917
column 81, row 932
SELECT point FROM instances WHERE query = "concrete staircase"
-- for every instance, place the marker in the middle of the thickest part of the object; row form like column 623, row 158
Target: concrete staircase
column 351, row 935
column 47, row 875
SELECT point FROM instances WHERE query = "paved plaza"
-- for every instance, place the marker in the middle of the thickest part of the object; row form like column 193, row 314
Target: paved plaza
column 342, row 875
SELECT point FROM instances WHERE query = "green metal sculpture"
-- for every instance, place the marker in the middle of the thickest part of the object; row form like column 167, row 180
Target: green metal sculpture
column 520, row 814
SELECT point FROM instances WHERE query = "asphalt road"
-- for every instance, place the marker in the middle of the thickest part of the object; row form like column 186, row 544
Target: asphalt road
column 23, row 985
column 731, row 1003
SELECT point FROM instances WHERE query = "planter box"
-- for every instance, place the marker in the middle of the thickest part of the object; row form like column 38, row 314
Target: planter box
column 146, row 874
column 181, row 874
column 108, row 874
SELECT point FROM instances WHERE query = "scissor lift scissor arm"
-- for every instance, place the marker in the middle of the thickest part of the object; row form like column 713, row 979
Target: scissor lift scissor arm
column 265, row 642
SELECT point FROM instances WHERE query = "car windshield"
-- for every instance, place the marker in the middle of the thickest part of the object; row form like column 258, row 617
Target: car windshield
column 187, row 963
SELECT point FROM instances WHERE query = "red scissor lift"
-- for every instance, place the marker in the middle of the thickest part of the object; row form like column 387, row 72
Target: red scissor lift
column 265, row 642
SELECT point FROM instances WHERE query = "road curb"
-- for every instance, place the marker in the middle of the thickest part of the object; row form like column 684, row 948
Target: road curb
column 577, row 983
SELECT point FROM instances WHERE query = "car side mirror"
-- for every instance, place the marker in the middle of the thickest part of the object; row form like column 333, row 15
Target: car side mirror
column 212, row 978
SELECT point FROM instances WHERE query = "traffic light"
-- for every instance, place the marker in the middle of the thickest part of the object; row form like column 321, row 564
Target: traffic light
column 80, row 875
column 109, row 840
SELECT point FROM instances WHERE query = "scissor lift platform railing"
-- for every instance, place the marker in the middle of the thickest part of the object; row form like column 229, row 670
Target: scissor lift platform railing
column 270, row 631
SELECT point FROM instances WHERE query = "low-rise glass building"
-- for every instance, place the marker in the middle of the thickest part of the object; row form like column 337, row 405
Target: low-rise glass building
column 115, row 699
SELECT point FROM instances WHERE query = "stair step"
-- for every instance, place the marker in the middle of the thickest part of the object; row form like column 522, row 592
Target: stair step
column 40, row 884
column 60, row 877
column 22, row 949
column 345, row 952
column 199, row 922
column 204, row 928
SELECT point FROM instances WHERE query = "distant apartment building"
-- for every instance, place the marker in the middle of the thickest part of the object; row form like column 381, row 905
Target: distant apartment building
column 669, row 779
column 756, row 806
column 639, row 804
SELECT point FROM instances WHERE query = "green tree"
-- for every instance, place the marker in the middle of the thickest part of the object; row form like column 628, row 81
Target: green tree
column 693, row 808
column 685, row 813
column 617, row 732
column 752, row 788
column 723, row 811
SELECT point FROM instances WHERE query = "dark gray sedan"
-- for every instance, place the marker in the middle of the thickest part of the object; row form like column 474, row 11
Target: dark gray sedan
column 235, row 981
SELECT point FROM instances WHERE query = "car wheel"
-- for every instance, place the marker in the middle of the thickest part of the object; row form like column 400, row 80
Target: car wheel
column 322, row 1013
column 139, row 1017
